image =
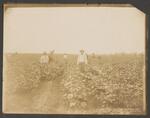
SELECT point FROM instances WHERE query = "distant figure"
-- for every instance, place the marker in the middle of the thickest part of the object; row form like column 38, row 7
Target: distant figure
column 65, row 58
column 44, row 58
column 82, row 60
column 93, row 55
column 16, row 53
column 87, row 56
column 51, row 56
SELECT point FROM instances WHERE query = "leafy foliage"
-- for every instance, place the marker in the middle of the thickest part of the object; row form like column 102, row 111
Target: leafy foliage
column 108, row 82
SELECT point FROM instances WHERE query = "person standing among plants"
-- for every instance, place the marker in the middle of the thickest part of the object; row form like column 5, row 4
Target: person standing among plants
column 65, row 59
column 82, row 60
column 51, row 56
column 44, row 59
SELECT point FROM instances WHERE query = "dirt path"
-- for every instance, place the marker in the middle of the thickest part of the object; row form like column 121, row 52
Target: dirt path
column 47, row 97
column 44, row 99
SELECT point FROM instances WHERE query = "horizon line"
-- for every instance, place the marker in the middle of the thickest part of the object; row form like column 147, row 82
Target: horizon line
column 73, row 53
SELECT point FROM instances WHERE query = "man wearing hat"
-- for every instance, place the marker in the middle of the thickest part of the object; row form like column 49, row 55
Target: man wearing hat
column 44, row 58
column 82, row 60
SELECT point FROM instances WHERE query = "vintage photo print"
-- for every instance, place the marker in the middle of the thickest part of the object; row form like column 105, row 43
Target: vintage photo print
column 74, row 59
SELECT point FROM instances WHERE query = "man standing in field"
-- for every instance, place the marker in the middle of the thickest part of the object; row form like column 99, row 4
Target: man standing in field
column 44, row 70
column 51, row 56
column 44, row 58
column 82, row 60
column 65, row 58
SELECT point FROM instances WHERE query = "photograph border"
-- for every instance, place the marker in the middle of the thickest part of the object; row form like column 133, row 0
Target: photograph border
column 140, row 4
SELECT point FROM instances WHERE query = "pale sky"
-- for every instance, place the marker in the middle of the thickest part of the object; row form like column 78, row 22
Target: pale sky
column 69, row 29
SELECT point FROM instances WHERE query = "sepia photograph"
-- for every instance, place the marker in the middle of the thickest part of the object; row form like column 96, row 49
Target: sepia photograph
column 74, row 59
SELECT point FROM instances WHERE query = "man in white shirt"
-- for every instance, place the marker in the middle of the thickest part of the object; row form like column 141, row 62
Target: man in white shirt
column 82, row 60
column 65, row 56
column 44, row 58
